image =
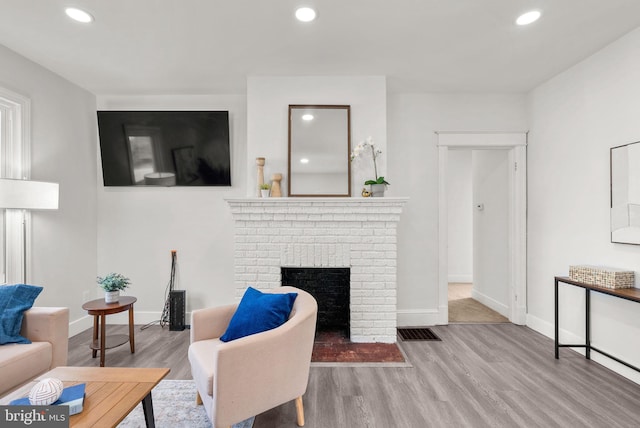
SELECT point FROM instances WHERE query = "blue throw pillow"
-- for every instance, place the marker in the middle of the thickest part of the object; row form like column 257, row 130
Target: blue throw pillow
column 258, row 312
column 14, row 301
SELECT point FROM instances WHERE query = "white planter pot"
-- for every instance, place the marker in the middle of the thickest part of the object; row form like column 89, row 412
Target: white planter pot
column 111, row 296
column 264, row 193
column 377, row 190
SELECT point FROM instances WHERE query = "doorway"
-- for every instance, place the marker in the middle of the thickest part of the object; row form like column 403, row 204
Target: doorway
column 504, row 152
column 477, row 183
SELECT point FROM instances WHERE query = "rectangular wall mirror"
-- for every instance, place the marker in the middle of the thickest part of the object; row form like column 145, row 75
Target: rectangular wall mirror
column 625, row 194
column 319, row 147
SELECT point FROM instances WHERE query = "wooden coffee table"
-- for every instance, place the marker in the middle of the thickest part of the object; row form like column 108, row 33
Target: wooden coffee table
column 110, row 393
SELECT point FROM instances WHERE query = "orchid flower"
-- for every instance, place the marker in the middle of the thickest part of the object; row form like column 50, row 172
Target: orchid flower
column 364, row 147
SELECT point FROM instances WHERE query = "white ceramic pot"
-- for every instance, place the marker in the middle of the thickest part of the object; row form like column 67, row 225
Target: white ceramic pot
column 264, row 193
column 377, row 190
column 111, row 296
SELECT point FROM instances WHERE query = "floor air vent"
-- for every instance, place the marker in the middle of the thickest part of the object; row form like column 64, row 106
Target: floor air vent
column 407, row 334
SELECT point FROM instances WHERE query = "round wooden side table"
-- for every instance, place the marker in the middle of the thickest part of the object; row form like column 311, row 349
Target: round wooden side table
column 99, row 309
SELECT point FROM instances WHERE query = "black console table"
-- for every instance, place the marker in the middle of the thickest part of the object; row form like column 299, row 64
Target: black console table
column 632, row 294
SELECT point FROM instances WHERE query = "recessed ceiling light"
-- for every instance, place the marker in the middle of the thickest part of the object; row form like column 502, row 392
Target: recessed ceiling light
column 528, row 18
column 307, row 117
column 78, row 15
column 304, row 160
column 305, row 14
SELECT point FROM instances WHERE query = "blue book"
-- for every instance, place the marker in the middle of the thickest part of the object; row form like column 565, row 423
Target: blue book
column 72, row 396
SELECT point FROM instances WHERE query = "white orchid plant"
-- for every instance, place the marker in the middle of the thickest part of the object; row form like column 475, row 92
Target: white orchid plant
column 363, row 149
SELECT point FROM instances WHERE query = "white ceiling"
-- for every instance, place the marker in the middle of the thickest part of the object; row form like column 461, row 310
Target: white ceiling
column 211, row 46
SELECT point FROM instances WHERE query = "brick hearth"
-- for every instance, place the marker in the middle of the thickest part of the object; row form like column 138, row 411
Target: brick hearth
column 359, row 233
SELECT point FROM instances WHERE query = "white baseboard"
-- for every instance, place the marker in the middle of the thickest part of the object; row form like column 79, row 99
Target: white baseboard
column 460, row 278
column 80, row 325
column 122, row 318
column 500, row 308
column 520, row 315
column 417, row 317
column 547, row 329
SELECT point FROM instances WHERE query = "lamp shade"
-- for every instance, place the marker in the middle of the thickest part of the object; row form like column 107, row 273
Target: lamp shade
column 29, row 195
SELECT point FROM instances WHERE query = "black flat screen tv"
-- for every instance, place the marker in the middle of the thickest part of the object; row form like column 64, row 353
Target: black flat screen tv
column 165, row 148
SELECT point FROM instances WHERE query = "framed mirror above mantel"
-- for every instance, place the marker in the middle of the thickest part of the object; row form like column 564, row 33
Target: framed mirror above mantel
column 319, row 149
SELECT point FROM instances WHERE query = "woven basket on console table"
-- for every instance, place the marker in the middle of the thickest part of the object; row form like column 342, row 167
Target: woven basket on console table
column 601, row 276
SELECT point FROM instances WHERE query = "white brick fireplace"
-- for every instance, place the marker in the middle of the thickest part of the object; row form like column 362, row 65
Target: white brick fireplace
column 358, row 233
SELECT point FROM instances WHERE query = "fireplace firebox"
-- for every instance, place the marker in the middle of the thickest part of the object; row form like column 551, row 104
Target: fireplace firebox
column 330, row 287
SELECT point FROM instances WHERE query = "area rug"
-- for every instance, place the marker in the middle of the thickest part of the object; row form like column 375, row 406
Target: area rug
column 174, row 406
column 335, row 347
column 471, row 311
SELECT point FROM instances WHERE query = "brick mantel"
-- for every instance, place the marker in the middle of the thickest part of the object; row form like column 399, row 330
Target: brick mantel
column 359, row 233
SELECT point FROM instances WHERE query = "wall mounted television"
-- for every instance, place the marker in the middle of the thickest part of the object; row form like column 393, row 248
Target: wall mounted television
column 165, row 148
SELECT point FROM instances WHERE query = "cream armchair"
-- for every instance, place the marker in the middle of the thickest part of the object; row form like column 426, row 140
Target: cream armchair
column 244, row 377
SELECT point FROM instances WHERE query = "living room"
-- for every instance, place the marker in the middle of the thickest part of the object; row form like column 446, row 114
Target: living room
column 581, row 103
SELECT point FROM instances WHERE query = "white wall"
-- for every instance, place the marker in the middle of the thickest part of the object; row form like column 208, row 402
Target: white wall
column 460, row 209
column 63, row 150
column 413, row 172
column 138, row 227
column 143, row 221
column 575, row 118
column 268, row 100
column 490, row 178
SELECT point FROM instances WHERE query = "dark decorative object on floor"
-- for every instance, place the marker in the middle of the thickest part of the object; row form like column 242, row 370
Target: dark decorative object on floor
column 174, row 310
column 177, row 299
column 409, row 334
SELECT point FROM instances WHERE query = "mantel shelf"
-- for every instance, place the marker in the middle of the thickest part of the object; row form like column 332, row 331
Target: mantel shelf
column 319, row 200
column 362, row 209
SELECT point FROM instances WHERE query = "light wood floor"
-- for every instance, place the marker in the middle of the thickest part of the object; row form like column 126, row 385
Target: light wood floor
column 494, row 375
column 155, row 347
column 464, row 309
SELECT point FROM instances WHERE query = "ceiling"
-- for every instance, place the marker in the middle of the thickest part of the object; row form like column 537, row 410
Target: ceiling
column 211, row 46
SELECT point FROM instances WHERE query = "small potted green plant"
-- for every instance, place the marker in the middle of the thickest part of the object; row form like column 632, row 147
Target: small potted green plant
column 264, row 190
column 112, row 284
